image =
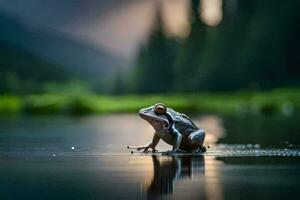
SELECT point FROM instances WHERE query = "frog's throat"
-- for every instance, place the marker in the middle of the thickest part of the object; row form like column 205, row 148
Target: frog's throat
column 154, row 120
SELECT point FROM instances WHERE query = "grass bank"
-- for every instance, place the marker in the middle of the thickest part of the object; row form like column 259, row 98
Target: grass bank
column 278, row 100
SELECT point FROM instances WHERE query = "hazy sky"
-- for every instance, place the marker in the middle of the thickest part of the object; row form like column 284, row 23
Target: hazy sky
column 119, row 25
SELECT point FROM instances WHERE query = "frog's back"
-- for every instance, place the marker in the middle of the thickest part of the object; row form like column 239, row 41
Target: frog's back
column 183, row 123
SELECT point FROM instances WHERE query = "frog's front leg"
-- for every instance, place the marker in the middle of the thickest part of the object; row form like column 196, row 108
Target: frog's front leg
column 177, row 140
column 151, row 144
column 177, row 137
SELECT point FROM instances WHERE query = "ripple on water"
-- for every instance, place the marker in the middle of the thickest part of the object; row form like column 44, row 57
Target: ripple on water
column 220, row 150
column 243, row 150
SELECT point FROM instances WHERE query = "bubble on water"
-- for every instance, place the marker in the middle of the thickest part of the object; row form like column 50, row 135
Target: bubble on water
column 54, row 155
column 73, row 148
column 257, row 146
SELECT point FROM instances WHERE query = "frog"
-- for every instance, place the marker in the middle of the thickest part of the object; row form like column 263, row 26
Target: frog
column 174, row 128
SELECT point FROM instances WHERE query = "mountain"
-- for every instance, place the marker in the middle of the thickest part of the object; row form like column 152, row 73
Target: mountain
column 52, row 48
column 28, row 66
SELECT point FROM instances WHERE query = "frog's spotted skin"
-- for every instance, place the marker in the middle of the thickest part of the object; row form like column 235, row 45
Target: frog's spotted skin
column 172, row 127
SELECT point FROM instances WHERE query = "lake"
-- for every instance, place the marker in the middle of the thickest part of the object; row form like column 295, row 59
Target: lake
column 50, row 157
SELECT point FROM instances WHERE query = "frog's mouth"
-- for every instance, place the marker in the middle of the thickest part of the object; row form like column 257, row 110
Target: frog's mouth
column 157, row 121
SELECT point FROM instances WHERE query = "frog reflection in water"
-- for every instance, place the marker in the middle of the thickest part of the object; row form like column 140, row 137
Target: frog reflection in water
column 172, row 127
column 172, row 169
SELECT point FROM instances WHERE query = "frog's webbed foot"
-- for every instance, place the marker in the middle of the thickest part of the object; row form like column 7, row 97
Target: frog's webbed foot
column 144, row 148
column 172, row 152
column 138, row 147
column 154, row 150
column 201, row 150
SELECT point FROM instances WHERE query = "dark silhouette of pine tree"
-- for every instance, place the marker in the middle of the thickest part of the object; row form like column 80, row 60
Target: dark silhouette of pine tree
column 255, row 46
column 188, row 63
column 154, row 68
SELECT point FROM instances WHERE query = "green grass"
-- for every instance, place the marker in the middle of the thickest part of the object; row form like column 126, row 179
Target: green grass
column 279, row 100
column 10, row 104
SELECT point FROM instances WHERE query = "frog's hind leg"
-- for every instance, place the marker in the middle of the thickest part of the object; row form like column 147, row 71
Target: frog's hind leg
column 196, row 140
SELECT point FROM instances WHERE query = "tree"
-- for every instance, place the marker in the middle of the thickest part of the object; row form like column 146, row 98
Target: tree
column 190, row 54
column 154, row 67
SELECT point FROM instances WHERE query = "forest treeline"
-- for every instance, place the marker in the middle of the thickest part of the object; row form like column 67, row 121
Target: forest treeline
column 255, row 46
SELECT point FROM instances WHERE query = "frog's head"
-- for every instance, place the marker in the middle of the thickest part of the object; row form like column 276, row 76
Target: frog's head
column 156, row 116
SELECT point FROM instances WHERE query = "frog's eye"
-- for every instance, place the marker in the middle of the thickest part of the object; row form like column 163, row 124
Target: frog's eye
column 160, row 109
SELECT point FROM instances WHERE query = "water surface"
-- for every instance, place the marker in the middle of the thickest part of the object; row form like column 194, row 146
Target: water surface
column 85, row 158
